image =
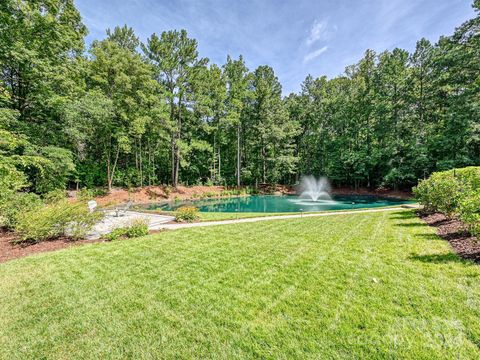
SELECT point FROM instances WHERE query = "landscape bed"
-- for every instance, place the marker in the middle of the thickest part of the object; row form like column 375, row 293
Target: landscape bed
column 367, row 285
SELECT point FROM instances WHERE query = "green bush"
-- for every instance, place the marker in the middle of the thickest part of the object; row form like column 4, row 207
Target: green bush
column 89, row 194
column 456, row 193
column 54, row 196
column 186, row 214
column 16, row 204
column 233, row 192
column 469, row 211
column 55, row 220
column 136, row 229
column 443, row 191
column 115, row 234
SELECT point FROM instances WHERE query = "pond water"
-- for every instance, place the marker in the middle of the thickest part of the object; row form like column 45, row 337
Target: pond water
column 279, row 204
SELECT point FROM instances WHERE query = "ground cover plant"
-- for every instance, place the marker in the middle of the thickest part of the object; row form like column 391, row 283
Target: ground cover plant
column 367, row 285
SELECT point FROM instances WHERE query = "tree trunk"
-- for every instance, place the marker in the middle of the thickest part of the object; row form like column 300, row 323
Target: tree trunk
column 177, row 165
column 111, row 169
column 238, row 155
column 178, row 137
column 219, row 165
column 264, row 165
column 140, row 161
column 173, row 141
column 173, row 159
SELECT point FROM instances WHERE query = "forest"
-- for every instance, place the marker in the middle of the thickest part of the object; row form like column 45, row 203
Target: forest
column 121, row 112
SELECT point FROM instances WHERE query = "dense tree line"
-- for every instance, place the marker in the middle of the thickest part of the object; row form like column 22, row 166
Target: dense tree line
column 126, row 113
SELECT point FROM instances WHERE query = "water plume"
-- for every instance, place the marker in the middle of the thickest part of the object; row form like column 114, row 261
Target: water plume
column 314, row 189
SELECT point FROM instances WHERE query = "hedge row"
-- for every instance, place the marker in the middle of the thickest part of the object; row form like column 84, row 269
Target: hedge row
column 455, row 193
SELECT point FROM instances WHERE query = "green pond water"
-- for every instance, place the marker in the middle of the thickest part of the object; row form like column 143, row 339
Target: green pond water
column 279, row 204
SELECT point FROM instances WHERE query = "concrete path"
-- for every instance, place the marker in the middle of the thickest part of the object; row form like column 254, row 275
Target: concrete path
column 276, row 217
column 111, row 222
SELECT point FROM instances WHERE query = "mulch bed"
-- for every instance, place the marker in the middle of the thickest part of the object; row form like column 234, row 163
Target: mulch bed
column 9, row 250
column 453, row 230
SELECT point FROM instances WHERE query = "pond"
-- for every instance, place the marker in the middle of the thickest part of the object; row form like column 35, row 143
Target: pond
column 280, row 204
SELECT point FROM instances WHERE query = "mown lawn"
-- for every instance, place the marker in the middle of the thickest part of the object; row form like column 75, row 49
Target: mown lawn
column 377, row 285
column 220, row 216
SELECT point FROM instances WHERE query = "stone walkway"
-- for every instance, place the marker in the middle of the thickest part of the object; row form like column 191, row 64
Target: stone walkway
column 276, row 217
column 111, row 222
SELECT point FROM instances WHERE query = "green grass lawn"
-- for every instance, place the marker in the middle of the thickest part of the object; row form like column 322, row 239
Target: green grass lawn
column 220, row 216
column 371, row 285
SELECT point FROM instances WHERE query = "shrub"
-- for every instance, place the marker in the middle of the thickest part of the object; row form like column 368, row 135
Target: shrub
column 233, row 192
column 16, row 204
column 443, row 191
column 469, row 211
column 167, row 190
column 54, row 196
column 115, row 234
column 136, row 229
column 187, row 214
column 454, row 193
column 88, row 194
column 56, row 220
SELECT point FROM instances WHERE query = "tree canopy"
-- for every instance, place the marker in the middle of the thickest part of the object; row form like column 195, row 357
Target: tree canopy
column 127, row 113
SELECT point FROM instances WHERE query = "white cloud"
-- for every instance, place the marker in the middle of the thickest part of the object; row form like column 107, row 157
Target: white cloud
column 314, row 54
column 317, row 32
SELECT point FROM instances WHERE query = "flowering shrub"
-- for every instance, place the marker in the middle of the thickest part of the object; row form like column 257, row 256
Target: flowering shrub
column 187, row 214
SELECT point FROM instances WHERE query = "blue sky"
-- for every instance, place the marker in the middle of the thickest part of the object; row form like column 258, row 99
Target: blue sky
column 295, row 37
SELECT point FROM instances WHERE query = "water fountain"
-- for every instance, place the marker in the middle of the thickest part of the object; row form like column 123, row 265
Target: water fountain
column 314, row 189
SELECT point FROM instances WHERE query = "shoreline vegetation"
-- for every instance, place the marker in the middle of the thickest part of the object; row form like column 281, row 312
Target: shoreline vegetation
column 165, row 193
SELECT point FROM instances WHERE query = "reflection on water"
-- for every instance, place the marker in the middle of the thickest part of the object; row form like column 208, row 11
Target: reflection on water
column 272, row 204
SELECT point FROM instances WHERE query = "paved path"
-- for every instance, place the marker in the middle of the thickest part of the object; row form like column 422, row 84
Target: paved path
column 276, row 217
column 111, row 222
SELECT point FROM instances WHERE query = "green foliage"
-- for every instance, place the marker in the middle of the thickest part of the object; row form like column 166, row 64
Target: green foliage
column 14, row 205
column 54, row 196
column 89, row 194
column 56, row 170
column 469, row 211
column 454, row 193
column 234, row 192
column 138, row 228
column 186, row 214
column 11, row 180
column 55, row 220
column 114, row 235
column 443, row 191
column 123, row 112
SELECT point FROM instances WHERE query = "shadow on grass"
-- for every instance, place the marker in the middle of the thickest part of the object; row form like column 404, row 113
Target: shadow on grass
column 410, row 224
column 427, row 236
column 403, row 215
column 438, row 258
